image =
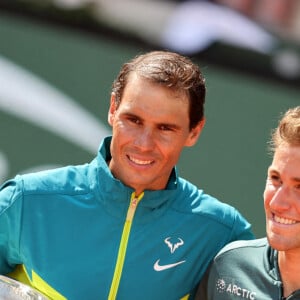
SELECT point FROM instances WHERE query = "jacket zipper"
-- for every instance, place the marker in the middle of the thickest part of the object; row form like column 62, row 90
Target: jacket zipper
column 123, row 245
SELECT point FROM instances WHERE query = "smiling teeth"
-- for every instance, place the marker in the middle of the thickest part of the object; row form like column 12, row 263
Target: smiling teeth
column 284, row 221
column 140, row 162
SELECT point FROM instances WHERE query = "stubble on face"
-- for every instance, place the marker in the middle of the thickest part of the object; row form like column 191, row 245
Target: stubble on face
column 150, row 129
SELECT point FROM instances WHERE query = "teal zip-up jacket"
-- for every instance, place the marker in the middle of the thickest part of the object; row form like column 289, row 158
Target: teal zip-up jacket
column 78, row 233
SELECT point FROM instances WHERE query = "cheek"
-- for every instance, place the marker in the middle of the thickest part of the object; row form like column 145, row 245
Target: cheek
column 172, row 154
column 120, row 129
column 269, row 193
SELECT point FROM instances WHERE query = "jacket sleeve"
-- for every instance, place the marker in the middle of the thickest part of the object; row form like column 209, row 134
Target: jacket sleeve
column 10, row 220
column 242, row 229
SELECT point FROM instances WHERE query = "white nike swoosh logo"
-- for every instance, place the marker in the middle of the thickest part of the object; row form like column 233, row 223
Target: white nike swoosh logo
column 158, row 267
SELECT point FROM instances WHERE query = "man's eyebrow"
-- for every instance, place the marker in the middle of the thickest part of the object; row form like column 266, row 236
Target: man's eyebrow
column 129, row 114
column 170, row 125
column 272, row 170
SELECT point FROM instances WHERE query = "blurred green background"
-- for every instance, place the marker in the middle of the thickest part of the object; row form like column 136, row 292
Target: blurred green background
column 230, row 159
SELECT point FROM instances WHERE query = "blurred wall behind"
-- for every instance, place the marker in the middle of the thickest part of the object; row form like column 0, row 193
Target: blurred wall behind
column 54, row 94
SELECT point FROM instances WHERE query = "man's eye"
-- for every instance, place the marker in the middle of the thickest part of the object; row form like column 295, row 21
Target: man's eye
column 165, row 128
column 275, row 179
column 134, row 120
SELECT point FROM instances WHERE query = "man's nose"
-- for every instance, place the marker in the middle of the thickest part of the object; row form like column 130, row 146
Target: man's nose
column 145, row 139
column 281, row 199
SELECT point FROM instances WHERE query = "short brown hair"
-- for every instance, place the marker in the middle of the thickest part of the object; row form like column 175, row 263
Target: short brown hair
column 288, row 130
column 171, row 70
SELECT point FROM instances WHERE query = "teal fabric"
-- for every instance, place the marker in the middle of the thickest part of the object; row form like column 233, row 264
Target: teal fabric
column 66, row 225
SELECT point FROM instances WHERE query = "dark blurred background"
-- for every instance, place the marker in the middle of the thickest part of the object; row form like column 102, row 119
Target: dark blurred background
column 58, row 59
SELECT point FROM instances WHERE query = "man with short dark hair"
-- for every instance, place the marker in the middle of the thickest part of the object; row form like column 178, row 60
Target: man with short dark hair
column 124, row 226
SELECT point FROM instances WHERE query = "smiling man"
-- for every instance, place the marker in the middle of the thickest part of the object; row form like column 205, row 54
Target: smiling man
column 147, row 141
column 124, row 226
column 267, row 268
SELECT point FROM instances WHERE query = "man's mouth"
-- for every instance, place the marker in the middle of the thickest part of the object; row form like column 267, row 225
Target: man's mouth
column 284, row 221
column 140, row 161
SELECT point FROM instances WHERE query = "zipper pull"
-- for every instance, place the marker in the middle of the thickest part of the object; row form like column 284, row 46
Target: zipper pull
column 134, row 201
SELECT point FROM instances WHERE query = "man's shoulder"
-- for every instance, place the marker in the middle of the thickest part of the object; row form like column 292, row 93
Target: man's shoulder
column 242, row 269
column 193, row 200
column 58, row 180
column 240, row 255
column 243, row 247
column 199, row 200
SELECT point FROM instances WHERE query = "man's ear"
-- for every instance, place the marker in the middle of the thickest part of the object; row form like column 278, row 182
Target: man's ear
column 112, row 109
column 195, row 133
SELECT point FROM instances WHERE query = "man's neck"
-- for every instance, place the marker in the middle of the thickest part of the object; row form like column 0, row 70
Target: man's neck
column 289, row 265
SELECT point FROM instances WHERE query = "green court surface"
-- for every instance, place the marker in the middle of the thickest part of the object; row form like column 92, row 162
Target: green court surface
column 229, row 161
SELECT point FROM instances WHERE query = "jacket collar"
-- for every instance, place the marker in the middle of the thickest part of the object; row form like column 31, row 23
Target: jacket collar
column 118, row 193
